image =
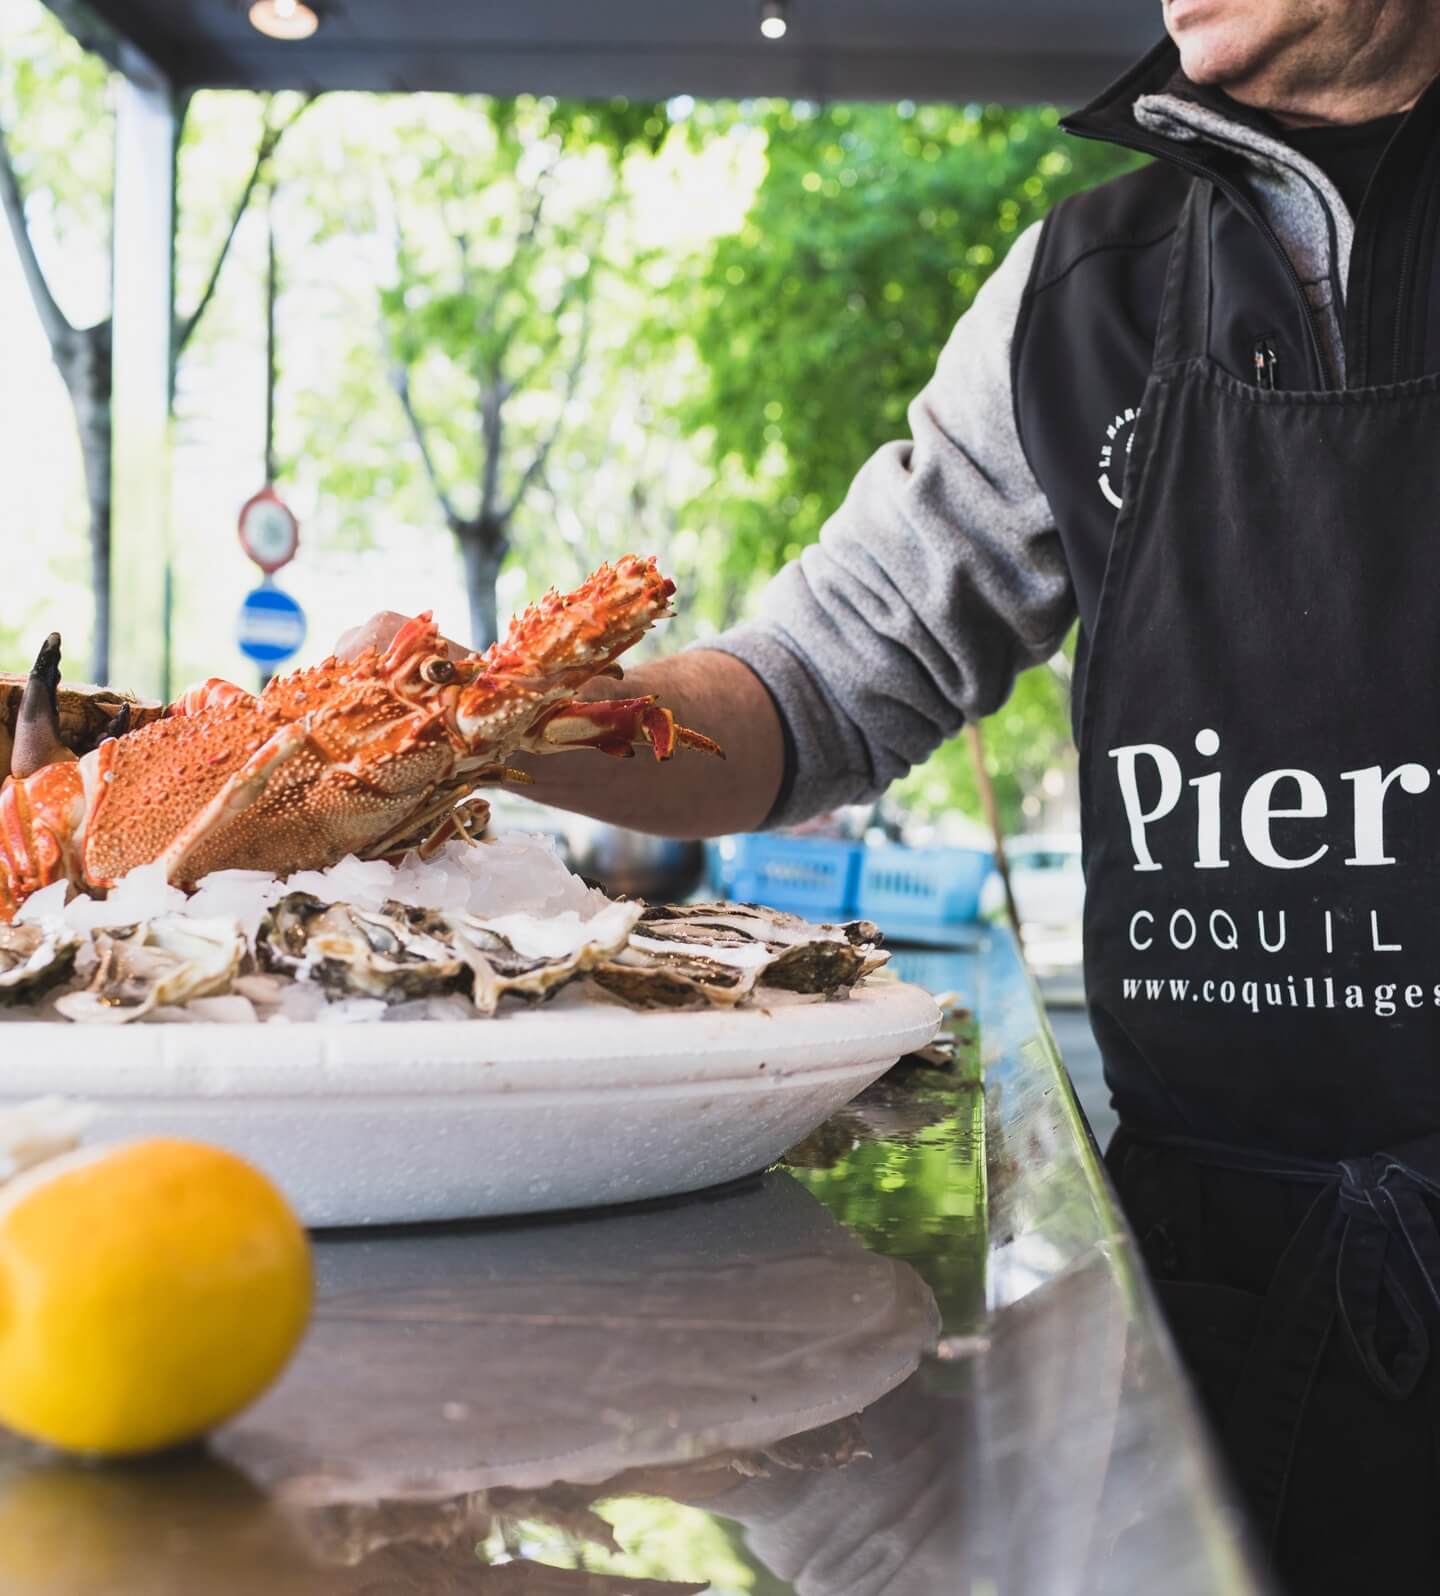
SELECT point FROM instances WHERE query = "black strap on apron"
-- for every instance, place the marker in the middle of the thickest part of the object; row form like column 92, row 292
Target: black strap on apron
column 1368, row 1239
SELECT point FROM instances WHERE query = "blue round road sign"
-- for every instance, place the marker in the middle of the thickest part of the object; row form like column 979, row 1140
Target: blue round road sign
column 271, row 626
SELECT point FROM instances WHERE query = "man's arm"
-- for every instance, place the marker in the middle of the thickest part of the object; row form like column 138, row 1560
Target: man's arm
column 939, row 579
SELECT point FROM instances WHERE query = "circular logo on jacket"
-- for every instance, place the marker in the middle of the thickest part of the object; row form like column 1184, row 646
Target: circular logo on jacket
column 1119, row 435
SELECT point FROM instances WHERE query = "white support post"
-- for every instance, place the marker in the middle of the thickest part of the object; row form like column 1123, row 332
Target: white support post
column 145, row 138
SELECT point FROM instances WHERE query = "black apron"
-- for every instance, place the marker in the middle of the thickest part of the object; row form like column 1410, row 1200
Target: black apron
column 1260, row 781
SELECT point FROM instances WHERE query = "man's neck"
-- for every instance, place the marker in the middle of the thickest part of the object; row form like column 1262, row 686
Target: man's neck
column 1338, row 103
column 1344, row 114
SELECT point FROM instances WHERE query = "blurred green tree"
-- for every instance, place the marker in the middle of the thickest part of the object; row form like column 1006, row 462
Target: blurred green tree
column 502, row 218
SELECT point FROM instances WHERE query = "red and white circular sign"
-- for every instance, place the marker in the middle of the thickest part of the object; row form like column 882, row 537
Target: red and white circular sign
column 269, row 532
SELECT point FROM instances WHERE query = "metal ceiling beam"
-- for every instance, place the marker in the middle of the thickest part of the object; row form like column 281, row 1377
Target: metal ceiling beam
column 582, row 71
column 117, row 45
column 970, row 50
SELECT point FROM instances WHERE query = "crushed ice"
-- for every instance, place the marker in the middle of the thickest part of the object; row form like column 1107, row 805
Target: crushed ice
column 518, row 882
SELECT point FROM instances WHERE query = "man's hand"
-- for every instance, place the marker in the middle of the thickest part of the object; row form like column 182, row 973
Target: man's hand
column 379, row 632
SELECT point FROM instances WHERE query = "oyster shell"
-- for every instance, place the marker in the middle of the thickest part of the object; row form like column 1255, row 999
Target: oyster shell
column 400, row 952
column 717, row 953
column 392, row 953
column 163, row 963
column 32, row 960
column 649, row 978
column 532, row 958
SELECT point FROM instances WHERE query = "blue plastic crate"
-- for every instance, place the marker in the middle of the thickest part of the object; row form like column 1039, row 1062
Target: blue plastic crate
column 923, row 894
column 813, row 876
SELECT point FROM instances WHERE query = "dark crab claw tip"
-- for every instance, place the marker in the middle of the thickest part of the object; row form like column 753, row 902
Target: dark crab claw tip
column 37, row 726
column 47, row 662
column 118, row 725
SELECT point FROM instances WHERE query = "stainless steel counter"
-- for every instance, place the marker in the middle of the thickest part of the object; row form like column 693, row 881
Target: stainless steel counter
column 919, row 1359
column 1096, row 1473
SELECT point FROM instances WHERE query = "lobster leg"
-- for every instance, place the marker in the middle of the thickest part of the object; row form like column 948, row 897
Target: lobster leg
column 428, row 832
column 216, row 692
column 613, row 726
column 41, row 823
column 37, row 727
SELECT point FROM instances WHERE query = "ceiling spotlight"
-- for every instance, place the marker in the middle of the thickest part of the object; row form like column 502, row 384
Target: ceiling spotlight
column 772, row 19
column 284, row 19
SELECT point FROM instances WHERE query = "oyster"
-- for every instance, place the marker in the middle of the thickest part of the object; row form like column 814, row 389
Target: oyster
column 650, row 978
column 533, row 958
column 400, row 952
column 717, row 953
column 392, row 953
column 165, row 962
column 32, row 960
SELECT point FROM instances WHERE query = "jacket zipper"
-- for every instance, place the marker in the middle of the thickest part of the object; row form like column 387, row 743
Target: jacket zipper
column 1266, row 363
column 1238, row 198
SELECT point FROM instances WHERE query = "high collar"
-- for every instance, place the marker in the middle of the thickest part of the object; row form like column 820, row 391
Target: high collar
column 1111, row 114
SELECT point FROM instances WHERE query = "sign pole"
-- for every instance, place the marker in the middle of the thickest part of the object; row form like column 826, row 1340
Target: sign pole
column 272, row 625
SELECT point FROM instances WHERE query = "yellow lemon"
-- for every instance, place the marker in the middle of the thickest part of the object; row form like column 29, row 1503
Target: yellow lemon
column 147, row 1291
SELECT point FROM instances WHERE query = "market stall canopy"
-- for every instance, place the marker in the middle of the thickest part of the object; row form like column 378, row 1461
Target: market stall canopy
column 832, row 49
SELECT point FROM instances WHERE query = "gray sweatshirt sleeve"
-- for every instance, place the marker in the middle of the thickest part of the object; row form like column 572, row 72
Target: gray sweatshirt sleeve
column 938, row 579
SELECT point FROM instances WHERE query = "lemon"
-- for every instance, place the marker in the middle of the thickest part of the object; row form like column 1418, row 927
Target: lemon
column 147, row 1292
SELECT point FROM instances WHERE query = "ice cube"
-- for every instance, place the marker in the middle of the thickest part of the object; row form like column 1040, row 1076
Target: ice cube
column 353, row 1011
column 242, row 895
column 47, row 904
column 143, row 895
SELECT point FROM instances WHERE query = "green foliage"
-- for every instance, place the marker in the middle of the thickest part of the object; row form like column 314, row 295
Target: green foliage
column 869, row 238
column 55, row 109
column 677, row 376
column 1023, row 741
column 497, row 222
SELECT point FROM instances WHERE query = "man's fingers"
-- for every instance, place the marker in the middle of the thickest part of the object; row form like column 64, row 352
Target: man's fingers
column 379, row 632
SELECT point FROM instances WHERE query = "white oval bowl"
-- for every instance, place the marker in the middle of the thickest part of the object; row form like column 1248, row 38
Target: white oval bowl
column 542, row 1109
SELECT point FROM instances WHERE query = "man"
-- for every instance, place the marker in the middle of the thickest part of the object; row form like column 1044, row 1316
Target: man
column 1197, row 406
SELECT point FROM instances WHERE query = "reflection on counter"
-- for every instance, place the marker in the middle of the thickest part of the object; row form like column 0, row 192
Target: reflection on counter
column 704, row 1396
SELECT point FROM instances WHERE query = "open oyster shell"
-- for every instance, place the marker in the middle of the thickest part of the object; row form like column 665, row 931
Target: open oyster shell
column 400, row 952
column 392, row 953
column 32, row 960
column 717, row 953
column 167, row 961
column 532, row 958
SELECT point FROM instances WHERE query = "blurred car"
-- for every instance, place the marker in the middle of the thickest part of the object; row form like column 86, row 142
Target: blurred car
column 1049, row 888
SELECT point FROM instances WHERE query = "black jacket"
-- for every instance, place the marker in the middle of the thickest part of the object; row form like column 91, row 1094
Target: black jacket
column 1087, row 323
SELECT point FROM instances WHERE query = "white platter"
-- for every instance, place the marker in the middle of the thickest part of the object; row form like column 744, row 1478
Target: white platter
column 541, row 1109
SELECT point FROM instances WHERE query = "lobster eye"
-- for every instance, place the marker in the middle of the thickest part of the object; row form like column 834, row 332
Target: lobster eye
column 438, row 671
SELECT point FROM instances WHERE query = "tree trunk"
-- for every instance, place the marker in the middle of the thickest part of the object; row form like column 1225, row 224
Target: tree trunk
column 87, row 377
column 483, row 547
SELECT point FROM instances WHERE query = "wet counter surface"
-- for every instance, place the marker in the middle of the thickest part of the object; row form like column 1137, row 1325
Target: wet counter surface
column 918, row 1358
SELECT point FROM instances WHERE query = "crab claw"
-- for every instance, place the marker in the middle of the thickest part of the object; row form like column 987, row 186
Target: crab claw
column 118, row 724
column 37, row 726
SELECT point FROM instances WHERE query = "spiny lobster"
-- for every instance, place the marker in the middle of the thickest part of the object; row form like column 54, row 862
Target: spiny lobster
column 371, row 756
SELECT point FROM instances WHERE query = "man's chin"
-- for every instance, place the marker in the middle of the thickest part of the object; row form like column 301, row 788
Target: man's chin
column 1216, row 45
